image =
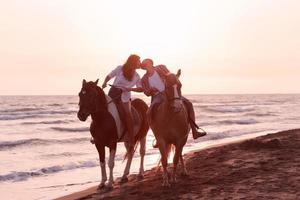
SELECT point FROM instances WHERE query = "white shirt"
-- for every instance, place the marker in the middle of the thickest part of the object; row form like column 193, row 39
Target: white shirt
column 121, row 81
column 156, row 82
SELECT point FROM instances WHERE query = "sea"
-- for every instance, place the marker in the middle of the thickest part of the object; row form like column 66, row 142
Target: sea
column 45, row 151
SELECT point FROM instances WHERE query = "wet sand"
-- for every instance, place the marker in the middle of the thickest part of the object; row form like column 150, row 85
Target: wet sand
column 266, row 167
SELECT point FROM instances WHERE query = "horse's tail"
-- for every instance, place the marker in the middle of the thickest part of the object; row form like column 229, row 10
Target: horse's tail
column 141, row 107
column 170, row 148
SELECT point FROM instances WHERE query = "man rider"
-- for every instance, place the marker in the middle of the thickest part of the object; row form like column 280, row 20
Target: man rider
column 153, row 85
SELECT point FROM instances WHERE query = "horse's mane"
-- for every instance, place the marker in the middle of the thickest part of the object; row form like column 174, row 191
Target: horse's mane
column 100, row 93
column 102, row 96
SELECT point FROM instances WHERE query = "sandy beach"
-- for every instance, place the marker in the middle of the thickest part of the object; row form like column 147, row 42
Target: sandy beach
column 266, row 167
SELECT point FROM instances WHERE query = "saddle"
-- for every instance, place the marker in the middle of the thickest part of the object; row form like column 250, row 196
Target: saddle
column 118, row 113
column 153, row 111
column 136, row 118
column 122, row 116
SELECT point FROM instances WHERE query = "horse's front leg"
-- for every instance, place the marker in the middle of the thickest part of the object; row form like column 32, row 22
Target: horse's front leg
column 164, row 161
column 101, row 152
column 124, row 178
column 111, row 164
column 178, row 154
column 184, row 171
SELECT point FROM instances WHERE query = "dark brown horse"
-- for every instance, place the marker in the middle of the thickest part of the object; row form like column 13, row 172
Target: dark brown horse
column 106, row 127
column 170, row 125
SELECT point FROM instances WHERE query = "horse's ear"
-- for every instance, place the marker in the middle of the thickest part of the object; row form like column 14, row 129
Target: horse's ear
column 178, row 73
column 83, row 82
column 96, row 82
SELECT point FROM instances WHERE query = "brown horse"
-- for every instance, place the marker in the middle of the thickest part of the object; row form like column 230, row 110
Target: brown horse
column 106, row 127
column 170, row 125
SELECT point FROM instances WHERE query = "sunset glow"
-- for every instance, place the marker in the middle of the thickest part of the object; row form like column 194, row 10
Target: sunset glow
column 48, row 47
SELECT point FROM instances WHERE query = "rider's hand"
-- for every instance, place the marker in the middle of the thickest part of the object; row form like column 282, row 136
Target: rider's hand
column 125, row 89
column 153, row 91
column 104, row 85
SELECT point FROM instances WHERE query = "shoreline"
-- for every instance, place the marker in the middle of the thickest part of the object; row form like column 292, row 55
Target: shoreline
column 208, row 180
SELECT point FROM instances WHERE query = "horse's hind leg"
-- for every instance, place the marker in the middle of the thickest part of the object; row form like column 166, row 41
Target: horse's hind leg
column 128, row 164
column 142, row 154
column 111, row 164
column 101, row 152
column 177, row 155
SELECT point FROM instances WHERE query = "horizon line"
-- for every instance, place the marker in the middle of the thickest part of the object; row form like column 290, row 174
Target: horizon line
column 290, row 93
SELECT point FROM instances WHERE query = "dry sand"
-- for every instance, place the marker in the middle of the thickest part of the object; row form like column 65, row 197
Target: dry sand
column 266, row 167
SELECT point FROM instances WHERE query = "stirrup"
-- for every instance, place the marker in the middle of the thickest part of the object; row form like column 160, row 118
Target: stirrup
column 198, row 135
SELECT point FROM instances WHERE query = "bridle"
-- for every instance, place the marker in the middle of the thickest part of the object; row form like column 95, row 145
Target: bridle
column 173, row 98
column 95, row 99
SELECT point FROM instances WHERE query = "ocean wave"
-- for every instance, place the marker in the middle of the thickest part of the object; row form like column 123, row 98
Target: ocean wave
column 221, row 135
column 257, row 114
column 25, row 109
column 228, row 109
column 217, row 135
column 17, row 117
column 47, row 122
column 73, row 103
column 36, row 141
column 55, row 104
column 83, row 129
column 239, row 121
column 51, row 112
column 39, row 114
column 24, row 175
column 63, row 154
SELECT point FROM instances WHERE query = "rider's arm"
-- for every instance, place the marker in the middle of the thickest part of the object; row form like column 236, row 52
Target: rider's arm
column 107, row 78
column 111, row 75
column 139, row 86
column 137, row 89
column 150, row 92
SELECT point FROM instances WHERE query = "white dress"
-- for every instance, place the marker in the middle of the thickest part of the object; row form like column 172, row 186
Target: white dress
column 121, row 81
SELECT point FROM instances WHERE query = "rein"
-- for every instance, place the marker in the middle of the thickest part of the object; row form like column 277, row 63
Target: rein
column 113, row 99
column 175, row 98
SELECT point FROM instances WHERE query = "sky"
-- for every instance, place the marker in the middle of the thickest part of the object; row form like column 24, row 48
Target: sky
column 223, row 47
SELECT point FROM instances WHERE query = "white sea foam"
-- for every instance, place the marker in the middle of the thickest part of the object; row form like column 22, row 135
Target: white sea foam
column 24, row 175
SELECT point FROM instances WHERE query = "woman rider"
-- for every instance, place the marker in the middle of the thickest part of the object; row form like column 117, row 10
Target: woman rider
column 126, row 77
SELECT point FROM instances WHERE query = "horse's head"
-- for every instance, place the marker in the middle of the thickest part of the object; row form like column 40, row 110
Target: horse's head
column 91, row 99
column 173, row 91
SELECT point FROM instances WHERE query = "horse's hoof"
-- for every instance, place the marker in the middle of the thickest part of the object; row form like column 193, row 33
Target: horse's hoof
column 124, row 179
column 174, row 180
column 140, row 177
column 158, row 170
column 101, row 186
column 166, row 184
column 184, row 174
column 109, row 187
